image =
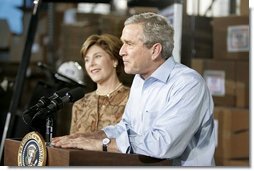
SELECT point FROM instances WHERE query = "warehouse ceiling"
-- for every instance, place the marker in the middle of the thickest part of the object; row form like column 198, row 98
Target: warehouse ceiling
column 77, row 1
column 152, row 3
column 131, row 3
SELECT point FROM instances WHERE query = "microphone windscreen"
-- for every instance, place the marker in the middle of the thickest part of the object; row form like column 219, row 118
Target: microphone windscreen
column 76, row 94
column 62, row 92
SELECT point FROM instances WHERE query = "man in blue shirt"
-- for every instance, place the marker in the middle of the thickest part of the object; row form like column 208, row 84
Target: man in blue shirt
column 169, row 113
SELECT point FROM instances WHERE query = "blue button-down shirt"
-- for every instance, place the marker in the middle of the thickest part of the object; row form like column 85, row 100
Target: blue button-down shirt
column 169, row 115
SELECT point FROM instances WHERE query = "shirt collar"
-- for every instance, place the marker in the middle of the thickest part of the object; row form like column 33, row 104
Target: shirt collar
column 163, row 72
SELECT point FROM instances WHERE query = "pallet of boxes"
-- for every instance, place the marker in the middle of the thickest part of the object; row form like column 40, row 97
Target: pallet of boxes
column 227, row 76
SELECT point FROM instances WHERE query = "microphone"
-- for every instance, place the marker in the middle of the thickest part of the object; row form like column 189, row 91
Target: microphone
column 45, row 101
column 58, row 103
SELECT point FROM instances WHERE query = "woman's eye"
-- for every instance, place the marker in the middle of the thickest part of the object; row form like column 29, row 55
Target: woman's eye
column 85, row 60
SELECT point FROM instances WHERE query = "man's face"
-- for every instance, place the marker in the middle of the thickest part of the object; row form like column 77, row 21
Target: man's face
column 136, row 56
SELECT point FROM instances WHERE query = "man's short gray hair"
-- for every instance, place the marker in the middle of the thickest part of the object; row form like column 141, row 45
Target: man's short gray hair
column 156, row 29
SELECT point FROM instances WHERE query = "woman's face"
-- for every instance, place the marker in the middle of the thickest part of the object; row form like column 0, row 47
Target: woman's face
column 99, row 65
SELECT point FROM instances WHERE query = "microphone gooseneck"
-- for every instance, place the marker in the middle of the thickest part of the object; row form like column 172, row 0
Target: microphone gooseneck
column 58, row 103
column 45, row 101
column 71, row 96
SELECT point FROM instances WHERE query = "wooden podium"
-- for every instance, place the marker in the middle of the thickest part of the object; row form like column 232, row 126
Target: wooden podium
column 75, row 157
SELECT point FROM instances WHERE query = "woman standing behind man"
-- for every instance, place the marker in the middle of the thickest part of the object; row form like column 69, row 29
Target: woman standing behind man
column 104, row 106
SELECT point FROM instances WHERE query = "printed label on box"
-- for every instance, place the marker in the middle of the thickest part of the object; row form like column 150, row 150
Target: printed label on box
column 238, row 38
column 215, row 81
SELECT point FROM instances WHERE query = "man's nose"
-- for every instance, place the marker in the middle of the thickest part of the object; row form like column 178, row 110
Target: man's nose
column 122, row 51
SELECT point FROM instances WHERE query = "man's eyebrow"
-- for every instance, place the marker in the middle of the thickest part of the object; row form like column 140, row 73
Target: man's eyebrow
column 127, row 41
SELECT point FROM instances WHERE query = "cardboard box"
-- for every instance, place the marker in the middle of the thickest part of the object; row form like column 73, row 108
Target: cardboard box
column 72, row 38
column 197, row 39
column 244, row 162
column 244, row 7
column 220, row 78
column 112, row 24
column 233, row 133
column 5, row 35
column 242, row 84
column 142, row 9
column 231, row 37
column 228, row 80
column 88, row 18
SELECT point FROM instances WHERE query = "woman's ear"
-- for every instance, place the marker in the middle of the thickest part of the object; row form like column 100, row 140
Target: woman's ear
column 115, row 63
column 156, row 51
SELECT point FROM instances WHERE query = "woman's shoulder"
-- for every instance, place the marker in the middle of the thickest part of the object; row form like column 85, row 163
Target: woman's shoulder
column 121, row 95
column 87, row 97
column 124, row 90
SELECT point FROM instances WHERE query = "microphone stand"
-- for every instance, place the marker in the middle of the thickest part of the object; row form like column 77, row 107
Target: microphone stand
column 19, row 83
column 49, row 130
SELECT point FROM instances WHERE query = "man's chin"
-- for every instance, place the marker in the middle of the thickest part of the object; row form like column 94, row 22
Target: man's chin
column 127, row 71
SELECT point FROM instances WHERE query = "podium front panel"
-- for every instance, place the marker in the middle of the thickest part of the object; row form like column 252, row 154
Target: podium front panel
column 76, row 157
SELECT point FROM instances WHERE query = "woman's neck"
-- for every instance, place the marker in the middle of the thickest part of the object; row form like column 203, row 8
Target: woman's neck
column 106, row 88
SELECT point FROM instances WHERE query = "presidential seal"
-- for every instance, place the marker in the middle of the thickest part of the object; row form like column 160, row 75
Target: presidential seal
column 32, row 150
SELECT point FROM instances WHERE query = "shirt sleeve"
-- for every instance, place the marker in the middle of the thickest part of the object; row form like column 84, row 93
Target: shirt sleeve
column 120, row 133
column 174, row 126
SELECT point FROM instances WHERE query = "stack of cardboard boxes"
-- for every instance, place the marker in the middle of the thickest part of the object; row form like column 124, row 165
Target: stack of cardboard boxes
column 73, row 35
column 227, row 76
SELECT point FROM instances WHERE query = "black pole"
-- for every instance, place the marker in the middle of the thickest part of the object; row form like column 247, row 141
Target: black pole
column 49, row 130
column 19, row 82
column 232, row 7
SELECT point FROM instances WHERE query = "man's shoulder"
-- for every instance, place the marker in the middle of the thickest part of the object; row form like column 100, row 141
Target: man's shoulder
column 185, row 73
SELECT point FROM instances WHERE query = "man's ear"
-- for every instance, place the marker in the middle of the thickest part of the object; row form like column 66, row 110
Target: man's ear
column 156, row 51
